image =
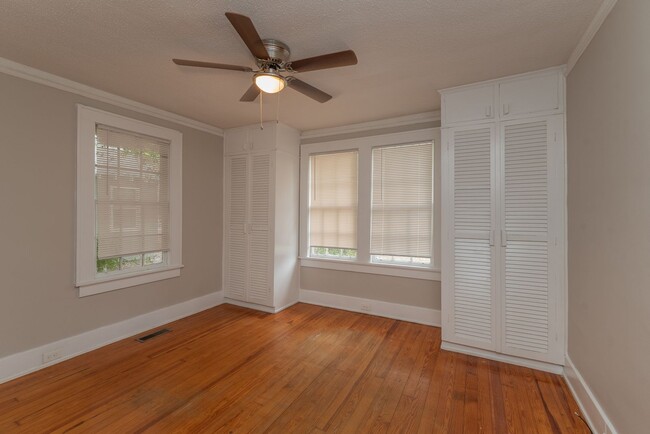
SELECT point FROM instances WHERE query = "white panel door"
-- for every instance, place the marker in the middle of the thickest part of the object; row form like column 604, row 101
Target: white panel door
column 236, row 255
column 532, row 185
column 260, row 242
column 469, row 277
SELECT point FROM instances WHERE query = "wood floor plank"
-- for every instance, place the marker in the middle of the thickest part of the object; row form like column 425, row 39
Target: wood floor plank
column 487, row 405
column 306, row 369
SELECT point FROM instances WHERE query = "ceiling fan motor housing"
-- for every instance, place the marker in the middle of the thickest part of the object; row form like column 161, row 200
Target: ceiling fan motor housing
column 279, row 52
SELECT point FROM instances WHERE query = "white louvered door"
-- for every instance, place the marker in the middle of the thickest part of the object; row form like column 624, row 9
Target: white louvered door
column 260, row 251
column 469, row 255
column 236, row 259
column 531, row 236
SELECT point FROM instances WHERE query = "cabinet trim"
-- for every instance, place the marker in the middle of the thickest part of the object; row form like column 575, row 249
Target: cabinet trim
column 520, row 361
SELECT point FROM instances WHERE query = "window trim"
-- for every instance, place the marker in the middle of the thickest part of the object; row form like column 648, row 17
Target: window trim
column 87, row 279
column 364, row 146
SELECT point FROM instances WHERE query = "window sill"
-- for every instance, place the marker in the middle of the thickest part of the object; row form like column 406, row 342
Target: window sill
column 383, row 269
column 120, row 281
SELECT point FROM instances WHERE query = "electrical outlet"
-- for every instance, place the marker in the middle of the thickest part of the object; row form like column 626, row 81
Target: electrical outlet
column 51, row 355
column 365, row 307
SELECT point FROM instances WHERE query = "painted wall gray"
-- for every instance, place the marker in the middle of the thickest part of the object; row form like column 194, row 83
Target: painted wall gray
column 38, row 301
column 414, row 292
column 608, row 113
column 392, row 289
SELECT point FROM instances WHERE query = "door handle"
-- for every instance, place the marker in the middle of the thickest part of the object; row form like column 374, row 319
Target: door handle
column 506, row 109
column 488, row 111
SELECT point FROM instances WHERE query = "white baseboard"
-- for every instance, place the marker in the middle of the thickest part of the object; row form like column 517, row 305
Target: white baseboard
column 589, row 406
column 256, row 306
column 19, row 364
column 513, row 360
column 404, row 312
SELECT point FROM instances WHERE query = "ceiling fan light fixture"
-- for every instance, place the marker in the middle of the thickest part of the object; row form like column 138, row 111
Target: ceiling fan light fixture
column 269, row 82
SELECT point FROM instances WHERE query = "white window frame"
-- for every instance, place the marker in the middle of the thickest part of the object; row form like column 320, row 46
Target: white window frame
column 363, row 264
column 87, row 279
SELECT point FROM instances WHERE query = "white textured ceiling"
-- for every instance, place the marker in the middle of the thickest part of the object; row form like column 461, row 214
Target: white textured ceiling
column 407, row 49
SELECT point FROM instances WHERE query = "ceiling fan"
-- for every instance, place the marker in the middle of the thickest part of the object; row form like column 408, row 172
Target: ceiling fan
column 273, row 59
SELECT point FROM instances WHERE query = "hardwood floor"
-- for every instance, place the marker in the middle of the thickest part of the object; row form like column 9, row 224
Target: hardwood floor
column 307, row 369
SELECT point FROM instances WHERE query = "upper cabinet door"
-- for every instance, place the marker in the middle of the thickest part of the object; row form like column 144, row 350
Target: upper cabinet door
column 468, row 104
column 263, row 139
column 540, row 94
column 237, row 141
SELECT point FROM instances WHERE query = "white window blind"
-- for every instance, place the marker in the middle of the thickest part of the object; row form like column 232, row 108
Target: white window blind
column 402, row 200
column 333, row 200
column 131, row 193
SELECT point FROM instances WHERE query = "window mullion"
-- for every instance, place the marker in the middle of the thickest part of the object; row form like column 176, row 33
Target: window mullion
column 364, row 204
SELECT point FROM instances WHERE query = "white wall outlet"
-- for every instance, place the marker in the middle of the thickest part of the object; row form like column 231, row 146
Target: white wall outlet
column 365, row 307
column 51, row 355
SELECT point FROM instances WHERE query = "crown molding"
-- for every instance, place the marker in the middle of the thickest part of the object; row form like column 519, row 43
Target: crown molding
column 373, row 125
column 41, row 77
column 605, row 8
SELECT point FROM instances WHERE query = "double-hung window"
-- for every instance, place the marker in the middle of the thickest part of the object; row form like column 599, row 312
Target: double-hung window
column 367, row 204
column 402, row 204
column 333, row 205
column 128, row 202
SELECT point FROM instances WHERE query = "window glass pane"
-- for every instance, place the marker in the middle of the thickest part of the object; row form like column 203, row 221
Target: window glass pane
column 411, row 261
column 333, row 253
column 153, row 258
column 131, row 261
column 108, row 265
column 333, row 201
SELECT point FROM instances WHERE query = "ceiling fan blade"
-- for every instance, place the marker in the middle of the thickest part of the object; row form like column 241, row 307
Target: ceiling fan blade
column 249, row 35
column 211, row 65
column 251, row 94
column 308, row 89
column 326, row 61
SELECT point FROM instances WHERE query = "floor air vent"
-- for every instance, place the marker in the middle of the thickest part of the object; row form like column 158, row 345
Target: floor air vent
column 152, row 335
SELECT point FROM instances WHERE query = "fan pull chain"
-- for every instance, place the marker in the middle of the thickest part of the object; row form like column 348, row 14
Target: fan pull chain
column 261, row 111
column 277, row 110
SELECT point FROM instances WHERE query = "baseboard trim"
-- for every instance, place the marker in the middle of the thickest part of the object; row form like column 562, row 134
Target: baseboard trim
column 420, row 315
column 513, row 360
column 256, row 306
column 19, row 364
column 591, row 409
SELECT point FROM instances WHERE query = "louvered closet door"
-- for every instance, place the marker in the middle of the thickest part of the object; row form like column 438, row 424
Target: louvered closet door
column 531, row 218
column 236, row 255
column 470, row 287
column 260, row 252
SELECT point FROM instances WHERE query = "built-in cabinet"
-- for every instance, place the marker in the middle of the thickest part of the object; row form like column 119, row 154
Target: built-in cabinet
column 261, row 216
column 503, row 219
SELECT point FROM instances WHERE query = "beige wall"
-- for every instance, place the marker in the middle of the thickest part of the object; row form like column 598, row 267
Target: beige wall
column 414, row 292
column 608, row 117
column 38, row 301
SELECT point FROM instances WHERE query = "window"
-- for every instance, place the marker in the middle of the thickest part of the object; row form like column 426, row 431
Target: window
column 367, row 205
column 402, row 204
column 333, row 205
column 128, row 202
